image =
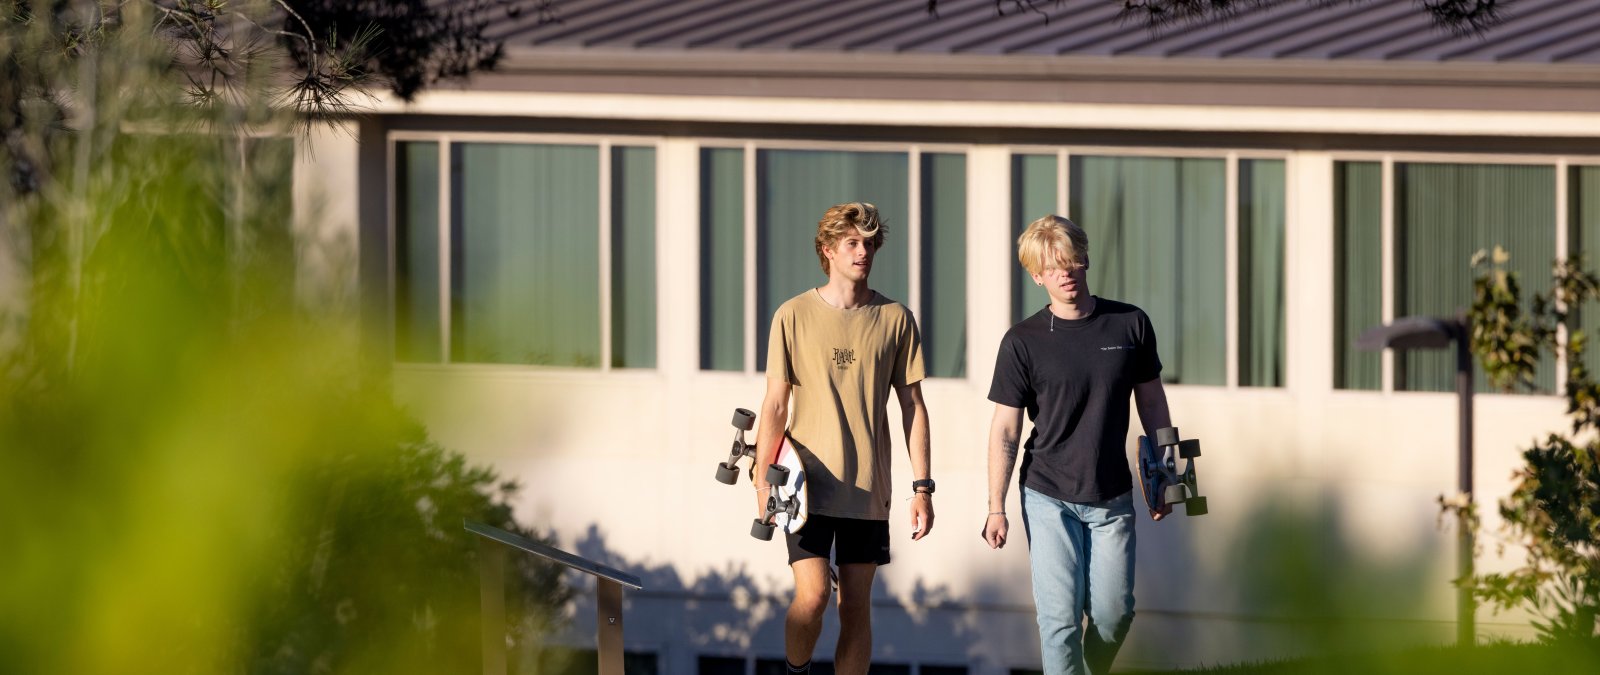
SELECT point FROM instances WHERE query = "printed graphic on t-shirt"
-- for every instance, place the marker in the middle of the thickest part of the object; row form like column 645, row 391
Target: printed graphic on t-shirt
column 1115, row 348
column 842, row 358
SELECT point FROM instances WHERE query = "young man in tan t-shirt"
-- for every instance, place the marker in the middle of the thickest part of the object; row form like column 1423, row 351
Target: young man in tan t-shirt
column 837, row 351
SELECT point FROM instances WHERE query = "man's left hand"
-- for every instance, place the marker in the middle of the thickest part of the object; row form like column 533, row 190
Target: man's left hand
column 921, row 515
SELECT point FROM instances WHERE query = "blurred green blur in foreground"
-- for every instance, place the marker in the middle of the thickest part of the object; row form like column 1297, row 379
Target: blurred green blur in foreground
column 198, row 473
column 1491, row 659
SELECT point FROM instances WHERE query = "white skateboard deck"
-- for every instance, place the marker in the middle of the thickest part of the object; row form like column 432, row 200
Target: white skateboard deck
column 790, row 520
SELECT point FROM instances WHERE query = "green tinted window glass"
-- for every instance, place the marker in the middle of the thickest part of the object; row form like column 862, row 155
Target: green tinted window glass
column 1261, row 253
column 416, row 275
column 525, row 254
column 633, row 257
column 1443, row 214
column 722, row 286
column 943, row 262
column 1358, row 271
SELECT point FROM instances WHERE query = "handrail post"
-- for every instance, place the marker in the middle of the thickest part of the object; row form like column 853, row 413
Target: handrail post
column 608, row 616
column 608, row 583
column 492, row 598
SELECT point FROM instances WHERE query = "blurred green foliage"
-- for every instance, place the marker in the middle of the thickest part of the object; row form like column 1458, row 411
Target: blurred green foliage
column 1490, row 659
column 1553, row 511
column 202, row 469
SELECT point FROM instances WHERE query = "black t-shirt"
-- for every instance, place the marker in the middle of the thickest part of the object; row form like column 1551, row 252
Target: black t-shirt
column 1075, row 378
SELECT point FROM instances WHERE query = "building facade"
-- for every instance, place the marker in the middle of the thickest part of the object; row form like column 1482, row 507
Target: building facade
column 575, row 259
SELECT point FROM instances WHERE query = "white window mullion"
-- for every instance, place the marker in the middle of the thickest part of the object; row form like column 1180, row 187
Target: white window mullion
column 751, row 319
column 1063, row 182
column 605, row 255
column 914, row 233
column 1562, row 247
column 1386, row 231
column 445, row 200
column 1230, row 269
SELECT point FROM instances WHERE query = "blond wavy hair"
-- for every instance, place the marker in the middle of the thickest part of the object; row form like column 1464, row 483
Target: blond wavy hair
column 840, row 219
column 1052, row 241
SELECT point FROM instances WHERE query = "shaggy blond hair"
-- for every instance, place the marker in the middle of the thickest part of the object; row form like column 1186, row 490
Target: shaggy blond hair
column 840, row 219
column 1052, row 241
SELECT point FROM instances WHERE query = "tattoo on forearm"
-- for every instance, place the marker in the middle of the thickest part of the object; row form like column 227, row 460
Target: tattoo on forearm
column 1010, row 449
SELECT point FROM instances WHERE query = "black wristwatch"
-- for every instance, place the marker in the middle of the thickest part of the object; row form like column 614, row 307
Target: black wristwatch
column 922, row 486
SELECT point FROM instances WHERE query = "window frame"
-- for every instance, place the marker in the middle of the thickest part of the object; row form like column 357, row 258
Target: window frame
column 1231, row 158
column 913, row 227
column 1389, row 265
column 603, row 143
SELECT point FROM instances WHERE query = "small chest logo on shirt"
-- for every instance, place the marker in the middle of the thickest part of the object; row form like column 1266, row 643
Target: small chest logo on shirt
column 1115, row 348
column 842, row 358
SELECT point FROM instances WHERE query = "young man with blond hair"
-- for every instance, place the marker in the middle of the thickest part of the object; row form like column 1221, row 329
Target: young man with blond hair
column 837, row 351
column 1072, row 365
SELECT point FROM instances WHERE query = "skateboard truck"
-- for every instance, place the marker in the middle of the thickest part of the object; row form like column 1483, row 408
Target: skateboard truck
column 1163, row 484
column 763, row 527
column 728, row 474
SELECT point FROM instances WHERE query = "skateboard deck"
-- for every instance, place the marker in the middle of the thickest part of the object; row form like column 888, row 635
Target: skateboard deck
column 1159, row 479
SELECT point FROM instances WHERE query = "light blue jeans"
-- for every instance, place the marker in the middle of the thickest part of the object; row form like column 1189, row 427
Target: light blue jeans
column 1082, row 558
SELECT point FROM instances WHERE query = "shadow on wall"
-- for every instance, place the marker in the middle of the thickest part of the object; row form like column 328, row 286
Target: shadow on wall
column 1289, row 578
column 726, row 616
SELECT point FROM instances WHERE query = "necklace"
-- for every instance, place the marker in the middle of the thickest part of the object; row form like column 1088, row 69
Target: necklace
column 1092, row 305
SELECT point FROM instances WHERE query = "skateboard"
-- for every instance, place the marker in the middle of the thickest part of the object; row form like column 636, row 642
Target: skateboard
column 1159, row 477
column 786, row 503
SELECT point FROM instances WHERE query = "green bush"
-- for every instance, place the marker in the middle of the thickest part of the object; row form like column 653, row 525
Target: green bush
column 1553, row 511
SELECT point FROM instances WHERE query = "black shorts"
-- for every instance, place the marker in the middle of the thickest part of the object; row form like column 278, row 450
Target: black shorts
column 852, row 540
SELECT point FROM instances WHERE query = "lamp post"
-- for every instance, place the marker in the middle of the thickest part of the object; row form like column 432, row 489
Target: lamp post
column 1421, row 332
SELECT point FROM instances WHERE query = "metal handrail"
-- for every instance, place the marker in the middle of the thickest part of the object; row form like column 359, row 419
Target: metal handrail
column 492, row 595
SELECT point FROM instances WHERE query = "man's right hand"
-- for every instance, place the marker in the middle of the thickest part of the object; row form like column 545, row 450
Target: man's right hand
column 762, row 491
column 995, row 527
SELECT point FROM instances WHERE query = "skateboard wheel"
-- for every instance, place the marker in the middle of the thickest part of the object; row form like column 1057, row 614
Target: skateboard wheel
column 1189, row 449
column 743, row 420
column 777, row 475
column 760, row 530
column 1195, row 506
column 727, row 474
column 1173, row 494
column 1166, row 436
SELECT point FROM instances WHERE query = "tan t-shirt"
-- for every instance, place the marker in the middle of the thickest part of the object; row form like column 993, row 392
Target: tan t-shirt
column 842, row 364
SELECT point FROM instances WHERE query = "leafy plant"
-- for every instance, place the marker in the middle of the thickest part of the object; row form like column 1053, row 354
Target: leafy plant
column 1553, row 511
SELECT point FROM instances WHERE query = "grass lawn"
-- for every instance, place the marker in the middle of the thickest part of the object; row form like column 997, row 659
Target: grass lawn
column 1495, row 659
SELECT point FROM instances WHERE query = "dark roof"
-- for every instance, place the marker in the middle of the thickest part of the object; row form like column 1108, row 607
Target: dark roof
column 1533, row 31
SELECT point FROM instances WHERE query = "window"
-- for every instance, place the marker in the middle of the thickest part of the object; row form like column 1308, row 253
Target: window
column 760, row 220
column 416, row 284
column 529, row 231
column 559, row 661
column 1158, row 231
column 942, row 307
column 1583, row 226
column 1358, row 259
column 720, row 665
column 1261, row 253
column 1442, row 214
